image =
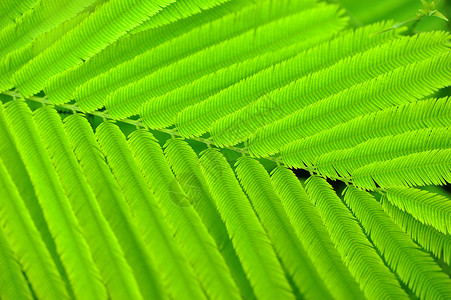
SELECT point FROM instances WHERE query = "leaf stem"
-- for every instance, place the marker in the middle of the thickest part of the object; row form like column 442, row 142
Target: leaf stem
column 172, row 132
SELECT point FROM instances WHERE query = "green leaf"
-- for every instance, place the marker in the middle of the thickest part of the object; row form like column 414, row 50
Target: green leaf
column 312, row 233
column 44, row 15
column 426, row 236
column 193, row 238
column 398, row 87
column 417, row 169
column 11, row 10
column 247, row 234
column 186, row 166
column 357, row 252
column 94, row 33
column 15, row 166
column 344, row 162
column 13, row 284
column 232, row 90
column 353, row 68
column 247, row 80
column 427, row 113
column 415, row 267
column 178, row 277
column 106, row 251
column 71, row 246
column 188, row 51
column 16, row 59
column 268, row 37
column 20, row 242
column 113, row 205
column 428, row 208
column 63, row 85
column 257, row 184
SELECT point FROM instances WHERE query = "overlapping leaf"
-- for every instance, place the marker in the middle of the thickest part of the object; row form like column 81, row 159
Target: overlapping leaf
column 358, row 253
column 415, row 267
column 93, row 215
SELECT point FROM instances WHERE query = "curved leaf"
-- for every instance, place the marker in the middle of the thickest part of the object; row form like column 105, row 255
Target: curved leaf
column 10, row 10
column 94, row 33
column 185, row 165
column 429, row 208
column 71, row 246
column 429, row 238
column 16, row 59
column 313, row 234
column 167, row 256
column 92, row 94
column 394, row 120
column 44, row 15
column 62, row 86
column 247, row 234
column 415, row 267
column 318, row 82
column 344, row 162
column 20, row 239
column 113, row 205
column 19, row 175
column 357, row 252
column 257, row 184
column 398, row 87
column 283, row 96
column 256, row 41
column 416, row 169
column 13, row 284
column 104, row 246
column 161, row 111
column 188, row 229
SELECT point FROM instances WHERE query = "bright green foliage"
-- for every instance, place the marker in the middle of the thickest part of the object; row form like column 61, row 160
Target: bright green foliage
column 161, row 111
column 191, row 234
column 414, row 266
column 232, row 43
column 12, row 62
column 189, row 20
column 10, row 10
column 413, row 82
column 16, row 169
column 99, row 236
column 276, row 103
column 257, row 184
column 179, row 10
column 70, row 243
column 429, row 208
column 394, row 120
column 270, row 36
column 25, row 244
column 185, row 165
column 177, row 275
column 146, row 147
column 312, row 233
column 247, row 234
column 344, row 162
column 95, row 33
column 149, row 43
column 417, row 169
column 112, row 203
column 356, row 250
column 13, row 284
column 429, row 238
column 45, row 15
column 194, row 120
